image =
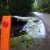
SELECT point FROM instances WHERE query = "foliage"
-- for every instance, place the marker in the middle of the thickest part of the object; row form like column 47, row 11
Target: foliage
column 20, row 7
column 42, row 5
column 23, row 7
column 15, row 7
column 4, row 7
column 15, row 41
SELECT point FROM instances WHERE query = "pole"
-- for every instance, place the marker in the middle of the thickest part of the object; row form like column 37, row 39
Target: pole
column 5, row 33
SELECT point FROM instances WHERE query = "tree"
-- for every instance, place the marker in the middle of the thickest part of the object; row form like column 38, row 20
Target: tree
column 42, row 5
column 4, row 7
column 20, row 7
column 15, row 7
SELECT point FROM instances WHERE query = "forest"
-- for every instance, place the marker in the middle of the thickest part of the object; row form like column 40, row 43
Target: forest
column 22, row 7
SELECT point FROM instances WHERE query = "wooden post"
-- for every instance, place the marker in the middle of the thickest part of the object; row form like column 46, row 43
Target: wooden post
column 5, row 33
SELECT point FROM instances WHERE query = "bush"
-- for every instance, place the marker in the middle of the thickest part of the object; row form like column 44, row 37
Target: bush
column 15, row 7
column 42, row 6
column 20, row 7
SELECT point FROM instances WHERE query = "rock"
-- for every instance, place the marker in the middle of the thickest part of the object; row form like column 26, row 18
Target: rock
column 35, row 36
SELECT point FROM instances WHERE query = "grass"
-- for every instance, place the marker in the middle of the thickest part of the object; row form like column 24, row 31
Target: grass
column 26, row 42
column 15, row 41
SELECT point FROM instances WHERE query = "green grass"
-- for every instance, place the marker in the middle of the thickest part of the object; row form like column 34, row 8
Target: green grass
column 15, row 41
